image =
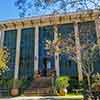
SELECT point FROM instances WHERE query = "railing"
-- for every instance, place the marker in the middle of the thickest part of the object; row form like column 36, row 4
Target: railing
column 4, row 92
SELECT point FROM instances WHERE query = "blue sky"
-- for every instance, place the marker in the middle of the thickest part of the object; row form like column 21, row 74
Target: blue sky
column 8, row 10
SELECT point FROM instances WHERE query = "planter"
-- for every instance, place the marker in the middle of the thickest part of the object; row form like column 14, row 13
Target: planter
column 14, row 92
column 97, row 87
column 37, row 76
column 61, row 93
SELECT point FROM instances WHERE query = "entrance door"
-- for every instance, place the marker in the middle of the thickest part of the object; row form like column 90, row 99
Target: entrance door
column 46, row 33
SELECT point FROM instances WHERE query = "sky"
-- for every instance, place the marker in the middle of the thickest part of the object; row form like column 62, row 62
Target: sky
column 8, row 10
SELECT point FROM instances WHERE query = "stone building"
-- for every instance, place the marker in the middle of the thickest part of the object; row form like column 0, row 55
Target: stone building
column 25, row 39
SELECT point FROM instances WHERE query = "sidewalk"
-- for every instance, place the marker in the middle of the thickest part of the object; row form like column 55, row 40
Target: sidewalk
column 80, row 97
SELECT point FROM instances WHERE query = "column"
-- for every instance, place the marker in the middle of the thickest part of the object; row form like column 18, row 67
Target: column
column 97, row 23
column 36, row 57
column 77, row 43
column 1, row 38
column 56, row 54
column 18, row 40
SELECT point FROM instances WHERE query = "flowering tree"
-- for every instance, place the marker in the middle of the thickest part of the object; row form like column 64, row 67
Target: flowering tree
column 89, row 55
column 4, row 58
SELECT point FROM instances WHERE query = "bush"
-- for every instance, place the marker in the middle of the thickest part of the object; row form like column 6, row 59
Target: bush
column 62, row 82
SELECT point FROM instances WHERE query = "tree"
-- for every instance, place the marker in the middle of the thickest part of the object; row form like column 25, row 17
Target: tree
column 89, row 58
column 30, row 7
column 4, row 58
column 65, row 44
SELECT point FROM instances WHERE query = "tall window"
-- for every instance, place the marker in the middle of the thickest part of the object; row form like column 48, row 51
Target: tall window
column 26, row 68
column 87, row 33
column 67, row 66
column 10, row 43
column 46, row 33
column 88, row 36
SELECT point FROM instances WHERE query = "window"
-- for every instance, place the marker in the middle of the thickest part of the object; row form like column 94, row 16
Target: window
column 10, row 43
column 26, row 68
column 46, row 33
column 67, row 66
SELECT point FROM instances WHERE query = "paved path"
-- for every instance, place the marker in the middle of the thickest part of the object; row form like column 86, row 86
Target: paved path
column 45, row 98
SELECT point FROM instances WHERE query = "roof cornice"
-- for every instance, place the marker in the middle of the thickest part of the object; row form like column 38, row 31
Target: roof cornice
column 50, row 20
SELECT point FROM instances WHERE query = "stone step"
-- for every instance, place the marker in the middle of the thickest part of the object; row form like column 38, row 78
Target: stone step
column 38, row 92
column 41, row 83
column 40, row 87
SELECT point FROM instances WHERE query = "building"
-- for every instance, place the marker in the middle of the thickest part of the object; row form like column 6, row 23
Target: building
column 25, row 39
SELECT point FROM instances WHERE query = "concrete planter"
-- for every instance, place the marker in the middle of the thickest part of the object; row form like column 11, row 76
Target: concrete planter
column 14, row 92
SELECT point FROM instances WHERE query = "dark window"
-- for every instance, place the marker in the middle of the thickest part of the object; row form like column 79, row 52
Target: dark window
column 87, row 32
column 87, row 37
column 10, row 43
column 67, row 66
column 46, row 33
column 26, row 68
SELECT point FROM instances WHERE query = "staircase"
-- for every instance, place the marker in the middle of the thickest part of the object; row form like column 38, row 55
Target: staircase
column 40, row 87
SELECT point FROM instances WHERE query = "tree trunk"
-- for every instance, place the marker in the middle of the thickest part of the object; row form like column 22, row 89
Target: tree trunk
column 89, row 83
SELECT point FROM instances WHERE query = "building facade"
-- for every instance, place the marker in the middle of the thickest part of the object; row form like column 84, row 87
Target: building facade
column 25, row 40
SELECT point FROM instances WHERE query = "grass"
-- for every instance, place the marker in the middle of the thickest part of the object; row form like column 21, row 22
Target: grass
column 73, row 94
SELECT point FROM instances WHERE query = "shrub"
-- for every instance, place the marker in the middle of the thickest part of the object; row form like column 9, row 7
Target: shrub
column 62, row 82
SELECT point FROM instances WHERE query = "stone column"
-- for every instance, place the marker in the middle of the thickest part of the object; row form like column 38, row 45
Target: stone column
column 1, row 38
column 18, row 40
column 15, row 89
column 56, row 54
column 77, row 43
column 97, row 23
column 36, row 57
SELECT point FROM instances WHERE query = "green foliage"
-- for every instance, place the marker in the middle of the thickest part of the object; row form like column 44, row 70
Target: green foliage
column 73, row 83
column 96, row 80
column 25, row 84
column 4, row 83
column 62, row 82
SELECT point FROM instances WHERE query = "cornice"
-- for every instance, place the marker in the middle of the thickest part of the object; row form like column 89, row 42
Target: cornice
column 50, row 20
